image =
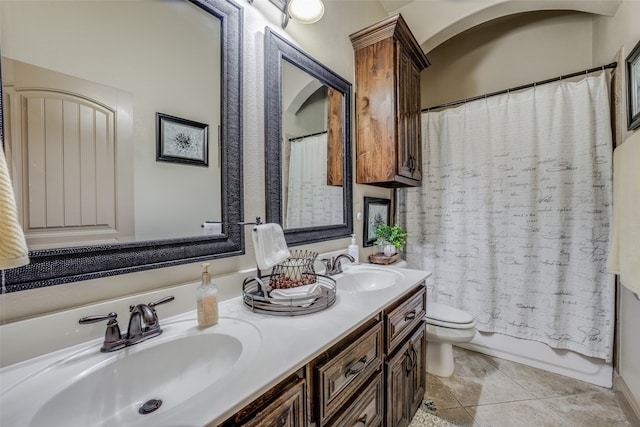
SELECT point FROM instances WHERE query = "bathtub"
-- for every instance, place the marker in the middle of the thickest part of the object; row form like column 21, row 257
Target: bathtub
column 539, row 355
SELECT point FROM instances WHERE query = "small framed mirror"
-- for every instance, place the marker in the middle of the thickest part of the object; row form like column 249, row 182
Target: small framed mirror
column 308, row 145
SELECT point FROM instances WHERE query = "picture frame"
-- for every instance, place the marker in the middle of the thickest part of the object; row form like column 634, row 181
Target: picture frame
column 376, row 211
column 181, row 140
column 632, row 65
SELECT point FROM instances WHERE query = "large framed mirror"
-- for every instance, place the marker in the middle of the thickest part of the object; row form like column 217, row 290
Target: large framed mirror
column 308, row 145
column 124, row 138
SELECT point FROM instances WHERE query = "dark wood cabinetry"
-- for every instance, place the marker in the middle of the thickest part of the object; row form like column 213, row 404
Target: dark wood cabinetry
column 406, row 380
column 388, row 62
column 373, row 377
column 339, row 374
column 405, row 346
column 282, row 406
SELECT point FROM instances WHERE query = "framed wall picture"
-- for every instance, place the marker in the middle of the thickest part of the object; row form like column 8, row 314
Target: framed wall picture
column 181, row 140
column 632, row 64
column 376, row 211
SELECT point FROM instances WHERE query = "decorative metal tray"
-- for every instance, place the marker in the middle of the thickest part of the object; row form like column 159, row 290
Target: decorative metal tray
column 253, row 294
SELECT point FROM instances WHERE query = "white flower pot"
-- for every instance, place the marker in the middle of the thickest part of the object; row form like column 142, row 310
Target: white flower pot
column 389, row 250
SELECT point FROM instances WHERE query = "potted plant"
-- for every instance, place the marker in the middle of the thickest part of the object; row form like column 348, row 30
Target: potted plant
column 391, row 238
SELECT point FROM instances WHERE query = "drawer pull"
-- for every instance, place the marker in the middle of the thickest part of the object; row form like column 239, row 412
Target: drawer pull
column 362, row 420
column 356, row 367
column 283, row 420
column 410, row 315
column 410, row 360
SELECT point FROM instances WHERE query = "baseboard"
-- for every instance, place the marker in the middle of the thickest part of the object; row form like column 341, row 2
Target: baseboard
column 623, row 388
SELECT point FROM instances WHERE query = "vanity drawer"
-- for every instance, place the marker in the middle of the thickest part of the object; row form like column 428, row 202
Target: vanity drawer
column 286, row 411
column 341, row 376
column 368, row 409
column 400, row 319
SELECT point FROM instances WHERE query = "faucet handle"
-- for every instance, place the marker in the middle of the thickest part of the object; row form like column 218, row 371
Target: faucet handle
column 328, row 263
column 111, row 317
column 152, row 305
column 161, row 301
column 112, row 337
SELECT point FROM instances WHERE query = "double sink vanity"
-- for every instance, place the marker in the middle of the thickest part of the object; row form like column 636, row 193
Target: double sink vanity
column 359, row 362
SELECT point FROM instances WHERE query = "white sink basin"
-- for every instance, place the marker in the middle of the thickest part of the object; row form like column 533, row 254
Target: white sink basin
column 87, row 387
column 367, row 278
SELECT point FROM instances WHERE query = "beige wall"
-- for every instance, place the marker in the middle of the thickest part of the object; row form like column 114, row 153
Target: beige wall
column 505, row 53
column 614, row 38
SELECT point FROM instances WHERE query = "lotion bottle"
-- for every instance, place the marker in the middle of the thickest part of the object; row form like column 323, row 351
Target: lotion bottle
column 207, row 299
column 354, row 249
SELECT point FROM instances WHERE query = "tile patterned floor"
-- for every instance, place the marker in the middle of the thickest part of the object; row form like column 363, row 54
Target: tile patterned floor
column 485, row 391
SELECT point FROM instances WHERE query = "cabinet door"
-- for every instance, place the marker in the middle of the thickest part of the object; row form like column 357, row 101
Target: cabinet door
column 406, row 379
column 397, row 381
column 416, row 381
column 409, row 131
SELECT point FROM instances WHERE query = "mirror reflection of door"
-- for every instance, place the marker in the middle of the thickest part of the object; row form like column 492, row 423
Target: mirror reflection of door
column 312, row 164
column 68, row 142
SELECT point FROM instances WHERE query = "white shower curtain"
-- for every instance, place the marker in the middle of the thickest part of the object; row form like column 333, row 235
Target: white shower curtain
column 310, row 201
column 513, row 214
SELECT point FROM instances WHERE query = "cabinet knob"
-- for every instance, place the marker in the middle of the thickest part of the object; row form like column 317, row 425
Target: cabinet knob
column 410, row 315
column 362, row 420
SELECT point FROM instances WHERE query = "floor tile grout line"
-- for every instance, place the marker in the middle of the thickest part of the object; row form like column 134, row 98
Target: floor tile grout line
column 540, row 396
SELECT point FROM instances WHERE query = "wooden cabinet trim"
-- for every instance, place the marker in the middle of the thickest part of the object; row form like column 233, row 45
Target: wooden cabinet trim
column 393, row 26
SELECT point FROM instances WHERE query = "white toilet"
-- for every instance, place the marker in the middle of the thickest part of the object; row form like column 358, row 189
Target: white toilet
column 445, row 326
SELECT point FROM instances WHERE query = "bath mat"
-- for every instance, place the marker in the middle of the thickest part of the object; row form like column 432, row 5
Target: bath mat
column 425, row 418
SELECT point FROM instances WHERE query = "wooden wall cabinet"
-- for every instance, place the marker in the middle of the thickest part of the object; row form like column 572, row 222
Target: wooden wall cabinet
column 388, row 62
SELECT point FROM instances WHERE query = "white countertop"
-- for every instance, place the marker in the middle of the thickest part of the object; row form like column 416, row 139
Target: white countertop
column 287, row 343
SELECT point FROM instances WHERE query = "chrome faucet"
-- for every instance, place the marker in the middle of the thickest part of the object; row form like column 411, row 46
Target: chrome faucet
column 143, row 324
column 333, row 265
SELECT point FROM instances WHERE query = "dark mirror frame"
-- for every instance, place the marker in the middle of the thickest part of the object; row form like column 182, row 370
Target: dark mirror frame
column 64, row 265
column 278, row 49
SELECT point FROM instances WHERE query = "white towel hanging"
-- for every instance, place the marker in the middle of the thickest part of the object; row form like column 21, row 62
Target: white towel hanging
column 270, row 245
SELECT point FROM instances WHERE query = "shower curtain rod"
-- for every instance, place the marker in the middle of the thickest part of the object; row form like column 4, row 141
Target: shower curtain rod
column 306, row 136
column 517, row 88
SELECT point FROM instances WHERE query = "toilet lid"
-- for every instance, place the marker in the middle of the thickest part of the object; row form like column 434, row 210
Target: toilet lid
column 441, row 314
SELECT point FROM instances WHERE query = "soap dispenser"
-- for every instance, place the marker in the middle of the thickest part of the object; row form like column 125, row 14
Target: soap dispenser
column 207, row 299
column 354, row 249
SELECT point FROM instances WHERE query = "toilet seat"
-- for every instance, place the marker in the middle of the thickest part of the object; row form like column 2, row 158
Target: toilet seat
column 448, row 317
